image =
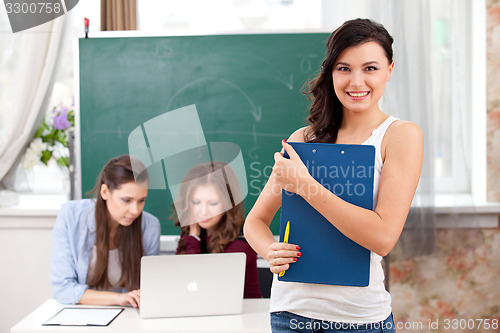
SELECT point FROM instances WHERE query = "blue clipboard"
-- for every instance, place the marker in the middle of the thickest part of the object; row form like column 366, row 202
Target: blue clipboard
column 329, row 257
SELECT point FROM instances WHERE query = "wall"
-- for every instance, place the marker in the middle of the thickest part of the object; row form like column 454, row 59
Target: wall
column 459, row 281
column 493, row 98
column 25, row 249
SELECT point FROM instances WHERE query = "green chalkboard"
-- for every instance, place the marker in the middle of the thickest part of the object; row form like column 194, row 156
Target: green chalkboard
column 246, row 88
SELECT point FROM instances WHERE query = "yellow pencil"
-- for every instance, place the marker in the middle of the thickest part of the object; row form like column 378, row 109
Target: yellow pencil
column 285, row 240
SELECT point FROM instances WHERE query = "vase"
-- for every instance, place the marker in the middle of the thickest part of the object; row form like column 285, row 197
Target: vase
column 23, row 180
column 66, row 182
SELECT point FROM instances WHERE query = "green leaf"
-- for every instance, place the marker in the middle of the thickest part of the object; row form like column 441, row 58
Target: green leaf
column 71, row 117
column 63, row 161
column 39, row 132
column 46, row 156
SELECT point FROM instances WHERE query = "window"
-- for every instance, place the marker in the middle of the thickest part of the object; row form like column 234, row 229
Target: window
column 43, row 179
column 456, row 59
column 198, row 16
column 456, row 108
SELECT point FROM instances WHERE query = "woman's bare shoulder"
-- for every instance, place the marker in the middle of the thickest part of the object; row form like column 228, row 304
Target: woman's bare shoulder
column 405, row 129
column 404, row 133
column 299, row 135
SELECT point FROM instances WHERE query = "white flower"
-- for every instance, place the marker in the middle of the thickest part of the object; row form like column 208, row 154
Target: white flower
column 54, row 129
column 49, row 118
column 31, row 158
column 33, row 153
column 38, row 145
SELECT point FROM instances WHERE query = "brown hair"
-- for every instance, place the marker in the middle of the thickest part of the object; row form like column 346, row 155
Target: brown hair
column 325, row 115
column 231, row 223
column 115, row 173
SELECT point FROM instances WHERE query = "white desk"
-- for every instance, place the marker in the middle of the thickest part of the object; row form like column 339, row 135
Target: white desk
column 255, row 318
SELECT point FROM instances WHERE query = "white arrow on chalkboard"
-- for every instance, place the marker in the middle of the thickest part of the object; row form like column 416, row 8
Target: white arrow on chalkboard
column 287, row 81
column 255, row 110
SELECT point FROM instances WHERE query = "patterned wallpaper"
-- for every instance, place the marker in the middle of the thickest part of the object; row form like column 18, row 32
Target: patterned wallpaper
column 457, row 288
column 493, row 97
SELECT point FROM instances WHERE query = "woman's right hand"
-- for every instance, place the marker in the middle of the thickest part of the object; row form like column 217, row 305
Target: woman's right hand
column 132, row 297
column 281, row 255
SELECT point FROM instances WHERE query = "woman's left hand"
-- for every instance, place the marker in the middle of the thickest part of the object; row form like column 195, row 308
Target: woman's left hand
column 281, row 255
column 291, row 174
column 132, row 297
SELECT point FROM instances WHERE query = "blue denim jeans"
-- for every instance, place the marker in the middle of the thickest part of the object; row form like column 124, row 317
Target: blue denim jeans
column 282, row 322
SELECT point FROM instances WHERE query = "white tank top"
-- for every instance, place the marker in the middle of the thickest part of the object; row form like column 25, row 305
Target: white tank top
column 341, row 303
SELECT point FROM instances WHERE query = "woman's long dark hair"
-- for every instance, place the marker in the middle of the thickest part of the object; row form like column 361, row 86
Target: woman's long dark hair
column 325, row 115
column 115, row 173
column 230, row 224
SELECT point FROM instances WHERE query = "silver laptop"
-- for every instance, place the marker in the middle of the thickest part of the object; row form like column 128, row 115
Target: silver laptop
column 192, row 285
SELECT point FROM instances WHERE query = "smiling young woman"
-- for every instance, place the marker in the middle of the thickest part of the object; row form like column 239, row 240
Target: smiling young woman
column 359, row 77
column 344, row 110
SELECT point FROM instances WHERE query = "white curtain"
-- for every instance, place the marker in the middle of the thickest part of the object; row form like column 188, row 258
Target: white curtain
column 37, row 59
column 407, row 96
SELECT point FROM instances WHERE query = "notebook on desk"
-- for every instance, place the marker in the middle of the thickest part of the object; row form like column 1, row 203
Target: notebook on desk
column 328, row 256
column 192, row 285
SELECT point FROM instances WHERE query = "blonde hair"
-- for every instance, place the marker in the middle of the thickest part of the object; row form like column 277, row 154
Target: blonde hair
column 223, row 178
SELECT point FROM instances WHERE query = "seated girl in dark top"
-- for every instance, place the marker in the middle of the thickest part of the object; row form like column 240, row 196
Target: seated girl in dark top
column 209, row 221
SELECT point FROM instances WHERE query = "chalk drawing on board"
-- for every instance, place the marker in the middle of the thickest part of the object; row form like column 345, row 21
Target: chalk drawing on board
column 283, row 78
column 210, row 83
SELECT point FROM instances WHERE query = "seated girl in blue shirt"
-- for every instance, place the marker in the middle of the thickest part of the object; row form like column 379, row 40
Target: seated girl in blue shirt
column 98, row 243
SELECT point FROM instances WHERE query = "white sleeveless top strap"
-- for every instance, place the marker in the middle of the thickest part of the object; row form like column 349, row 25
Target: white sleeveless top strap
column 376, row 140
column 341, row 303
